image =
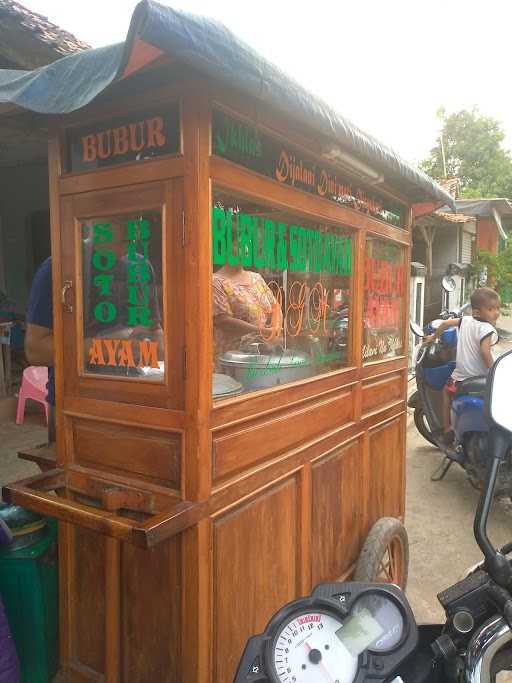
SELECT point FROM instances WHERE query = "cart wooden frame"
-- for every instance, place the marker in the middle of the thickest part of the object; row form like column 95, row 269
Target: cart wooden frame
column 237, row 506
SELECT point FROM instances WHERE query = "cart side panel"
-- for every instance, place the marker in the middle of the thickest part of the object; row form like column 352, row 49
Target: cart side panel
column 147, row 454
column 255, row 569
column 336, row 511
column 88, row 599
column 379, row 392
column 257, row 440
column 151, row 612
column 123, row 610
column 386, row 470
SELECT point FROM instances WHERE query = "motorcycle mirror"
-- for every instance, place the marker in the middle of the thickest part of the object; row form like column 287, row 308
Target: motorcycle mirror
column 416, row 329
column 449, row 284
column 499, row 390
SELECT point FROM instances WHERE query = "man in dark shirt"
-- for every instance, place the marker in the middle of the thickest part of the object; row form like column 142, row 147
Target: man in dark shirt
column 39, row 333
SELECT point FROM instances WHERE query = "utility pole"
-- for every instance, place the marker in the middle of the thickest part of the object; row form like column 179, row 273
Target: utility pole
column 442, row 152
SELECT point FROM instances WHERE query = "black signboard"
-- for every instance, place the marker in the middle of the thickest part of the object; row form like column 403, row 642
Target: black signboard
column 124, row 139
column 246, row 145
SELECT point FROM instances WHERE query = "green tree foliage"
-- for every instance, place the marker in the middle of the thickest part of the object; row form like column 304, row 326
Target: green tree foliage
column 499, row 268
column 474, row 154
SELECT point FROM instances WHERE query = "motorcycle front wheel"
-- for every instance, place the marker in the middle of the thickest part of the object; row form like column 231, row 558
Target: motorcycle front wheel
column 420, row 420
column 476, row 446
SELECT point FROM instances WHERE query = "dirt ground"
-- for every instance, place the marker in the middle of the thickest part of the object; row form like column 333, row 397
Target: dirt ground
column 439, row 521
column 15, row 437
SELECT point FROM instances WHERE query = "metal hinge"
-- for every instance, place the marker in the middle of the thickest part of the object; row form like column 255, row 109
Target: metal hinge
column 182, row 228
column 184, row 362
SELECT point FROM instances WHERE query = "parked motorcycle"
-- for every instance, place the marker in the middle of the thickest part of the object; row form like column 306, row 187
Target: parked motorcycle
column 357, row 632
column 434, row 364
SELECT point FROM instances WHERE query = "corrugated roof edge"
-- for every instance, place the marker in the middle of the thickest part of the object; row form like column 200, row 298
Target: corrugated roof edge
column 212, row 48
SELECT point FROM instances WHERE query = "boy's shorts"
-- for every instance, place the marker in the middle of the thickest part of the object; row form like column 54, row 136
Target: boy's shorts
column 451, row 386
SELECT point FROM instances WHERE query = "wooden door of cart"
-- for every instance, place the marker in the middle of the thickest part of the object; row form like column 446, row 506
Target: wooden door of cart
column 204, row 477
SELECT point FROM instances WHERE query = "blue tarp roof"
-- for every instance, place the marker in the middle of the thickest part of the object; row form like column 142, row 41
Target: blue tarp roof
column 211, row 49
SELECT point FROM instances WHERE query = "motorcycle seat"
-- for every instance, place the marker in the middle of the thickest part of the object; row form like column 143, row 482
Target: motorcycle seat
column 474, row 386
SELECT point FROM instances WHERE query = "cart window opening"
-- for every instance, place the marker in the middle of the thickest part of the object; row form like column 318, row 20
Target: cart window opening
column 122, row 295
column 281, row 296
column 385, row 285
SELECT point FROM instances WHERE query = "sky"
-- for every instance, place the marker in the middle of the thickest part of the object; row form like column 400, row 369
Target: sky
column 386, row 66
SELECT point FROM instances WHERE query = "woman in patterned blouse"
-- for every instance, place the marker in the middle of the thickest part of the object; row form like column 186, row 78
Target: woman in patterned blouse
column 243, row 304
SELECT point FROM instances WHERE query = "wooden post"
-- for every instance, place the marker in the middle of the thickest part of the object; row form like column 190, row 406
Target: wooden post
column 428, row 233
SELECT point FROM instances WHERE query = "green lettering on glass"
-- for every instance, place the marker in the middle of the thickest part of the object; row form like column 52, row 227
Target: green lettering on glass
column 139, row 272
column 327, row 357
column 317, row 251
column 138, row 295
column 139, row 315
column 270, row 243
column 105, row 312
column 281, row 258
column 348, row 257
column 104, row 259
column 136, row 250
column 103, row 282
column 236, row 137
column 232, row 238
column 255, row 242
column 102, row 232
column 271, row 368
column 302, row 248
column 327, row 265
column 258, row 246
column 138, row 230
column 294, row 248
column 341, row 260
column 245, row 224
column 219, row 221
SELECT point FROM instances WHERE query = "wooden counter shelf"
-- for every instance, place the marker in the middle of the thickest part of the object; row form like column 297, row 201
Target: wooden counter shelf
column 107, row 506
column 45, row 457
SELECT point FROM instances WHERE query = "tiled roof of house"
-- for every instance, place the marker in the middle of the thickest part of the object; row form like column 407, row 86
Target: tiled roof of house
column 60, row 41
column 454, row 217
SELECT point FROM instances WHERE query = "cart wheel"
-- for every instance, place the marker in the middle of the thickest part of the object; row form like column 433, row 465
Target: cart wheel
column 385, row 554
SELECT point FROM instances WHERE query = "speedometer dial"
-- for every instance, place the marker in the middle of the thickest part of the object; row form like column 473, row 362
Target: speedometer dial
column 307, row 650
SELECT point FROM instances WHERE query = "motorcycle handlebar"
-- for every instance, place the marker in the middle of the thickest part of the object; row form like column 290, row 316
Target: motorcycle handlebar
column 496, row 561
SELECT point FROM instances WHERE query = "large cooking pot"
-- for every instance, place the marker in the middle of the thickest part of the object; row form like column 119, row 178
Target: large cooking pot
column 257, row 370
column 224, row 386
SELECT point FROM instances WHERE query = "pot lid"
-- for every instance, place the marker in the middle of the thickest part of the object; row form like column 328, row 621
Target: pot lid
column 224, row 385
column 284, row 358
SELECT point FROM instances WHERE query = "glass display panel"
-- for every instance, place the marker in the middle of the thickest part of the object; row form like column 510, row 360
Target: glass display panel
column 281, row 296
column 122, row 295
column 385, row 285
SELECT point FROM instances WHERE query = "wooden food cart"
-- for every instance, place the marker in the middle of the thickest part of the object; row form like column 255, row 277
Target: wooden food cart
column 204, row 476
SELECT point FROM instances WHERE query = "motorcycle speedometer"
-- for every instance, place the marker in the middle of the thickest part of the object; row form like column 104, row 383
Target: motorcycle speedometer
column 342, row 633
column 307, row 648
